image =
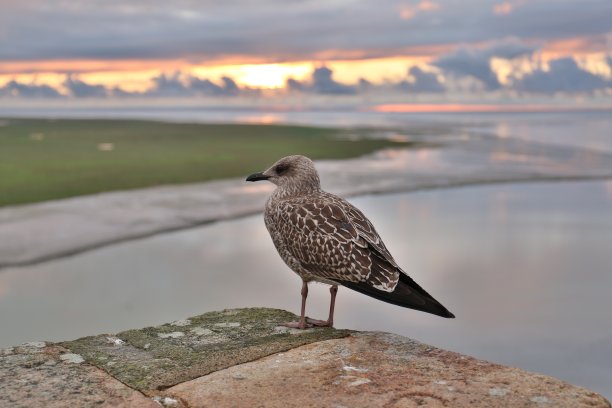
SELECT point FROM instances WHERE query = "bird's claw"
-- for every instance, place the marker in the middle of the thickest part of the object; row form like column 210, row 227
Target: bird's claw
column 308, row 323
column 319, row 323
column 298, row 325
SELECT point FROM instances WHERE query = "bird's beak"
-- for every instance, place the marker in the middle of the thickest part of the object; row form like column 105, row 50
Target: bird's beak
column 257, row 177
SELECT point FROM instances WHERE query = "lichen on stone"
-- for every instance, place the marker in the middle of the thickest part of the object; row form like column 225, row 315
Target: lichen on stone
column 155, row 358
column 71, row 358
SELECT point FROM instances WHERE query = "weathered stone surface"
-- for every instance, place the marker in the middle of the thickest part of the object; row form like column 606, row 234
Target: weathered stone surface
column 37, row 375
column 154, row 358
column 378, row 370
column 244, row 358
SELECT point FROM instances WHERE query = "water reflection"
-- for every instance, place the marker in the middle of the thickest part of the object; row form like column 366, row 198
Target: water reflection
column 406, row 160
column 526, row 269
column 260, row 119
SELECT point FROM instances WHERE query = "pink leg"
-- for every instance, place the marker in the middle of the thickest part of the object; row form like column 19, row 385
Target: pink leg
column 330, row 320
column 302, row 324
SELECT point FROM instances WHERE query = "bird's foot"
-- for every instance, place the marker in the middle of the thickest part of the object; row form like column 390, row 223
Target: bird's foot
column 319, row 323
column 308, row 323
column 298, row 325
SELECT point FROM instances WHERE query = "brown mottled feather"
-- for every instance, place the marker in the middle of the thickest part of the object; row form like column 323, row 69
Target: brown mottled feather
column 317, row 232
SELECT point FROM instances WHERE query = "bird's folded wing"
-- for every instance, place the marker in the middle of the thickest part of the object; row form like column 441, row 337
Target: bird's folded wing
column 366, row 230
column 333, row 240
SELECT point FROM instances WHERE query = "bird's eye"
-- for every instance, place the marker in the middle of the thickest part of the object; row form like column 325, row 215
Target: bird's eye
column 281, row 168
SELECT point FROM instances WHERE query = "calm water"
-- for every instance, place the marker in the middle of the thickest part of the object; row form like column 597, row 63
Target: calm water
column 527, row 269
column 578, row 129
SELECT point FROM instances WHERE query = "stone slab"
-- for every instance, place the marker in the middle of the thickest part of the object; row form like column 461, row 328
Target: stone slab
column 38, row 375
column 155, row 358
column 378, row 370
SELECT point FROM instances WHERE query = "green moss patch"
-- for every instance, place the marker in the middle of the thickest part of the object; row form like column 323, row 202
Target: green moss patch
column 155, row 358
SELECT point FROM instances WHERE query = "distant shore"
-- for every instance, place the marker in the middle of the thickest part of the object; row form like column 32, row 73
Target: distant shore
column 45, row 159
column 51, row 159
column 39, row 232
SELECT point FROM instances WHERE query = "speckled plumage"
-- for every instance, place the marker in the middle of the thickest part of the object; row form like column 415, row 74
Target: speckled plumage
column 324, row 238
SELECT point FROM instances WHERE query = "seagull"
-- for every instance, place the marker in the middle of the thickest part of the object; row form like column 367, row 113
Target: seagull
column 324, row 238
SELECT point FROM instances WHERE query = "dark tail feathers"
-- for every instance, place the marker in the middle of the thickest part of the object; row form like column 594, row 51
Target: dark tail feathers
column 407, row 293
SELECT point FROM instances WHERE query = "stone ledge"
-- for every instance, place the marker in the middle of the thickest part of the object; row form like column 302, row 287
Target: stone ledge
column 243, row 357
column 155, row 358
column 378, row 370
column 39, row 375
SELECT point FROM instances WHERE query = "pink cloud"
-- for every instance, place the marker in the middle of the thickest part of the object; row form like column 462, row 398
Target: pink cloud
column 407, row 12
column 503, row 8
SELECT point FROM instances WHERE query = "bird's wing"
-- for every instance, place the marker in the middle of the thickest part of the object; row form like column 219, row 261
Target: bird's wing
column 334, row 240
column 366, row 230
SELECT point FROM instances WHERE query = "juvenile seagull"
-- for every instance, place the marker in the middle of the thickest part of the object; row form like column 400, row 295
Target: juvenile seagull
column 324, row 238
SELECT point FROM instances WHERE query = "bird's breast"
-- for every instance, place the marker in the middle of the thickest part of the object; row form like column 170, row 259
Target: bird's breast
column 279, row 231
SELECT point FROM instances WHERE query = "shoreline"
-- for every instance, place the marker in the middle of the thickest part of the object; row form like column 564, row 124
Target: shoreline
column 204, row 222
column 36, row 233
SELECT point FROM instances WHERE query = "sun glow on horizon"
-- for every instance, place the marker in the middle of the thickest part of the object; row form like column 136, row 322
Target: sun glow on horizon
column 139, row 77
column 266, row 76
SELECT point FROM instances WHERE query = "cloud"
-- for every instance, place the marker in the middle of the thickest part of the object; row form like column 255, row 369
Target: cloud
column 467, row 62
column 275, row 29
column 176, row 84
column 364, row 85
column 119, row 92
column 169, row 85
column 321, row 82
column 509, row 48
column 503, row 8
column 296, row 86
column 229, row 86
column 421, row 81
column 476, row 62
column 80, row 89
column 17, row 89
column 208, row 88
column 564, row 75
column 408, row 12
column 183, row 85
column 466, row 70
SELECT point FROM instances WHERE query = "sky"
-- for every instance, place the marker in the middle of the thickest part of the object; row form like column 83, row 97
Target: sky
column 384, row 50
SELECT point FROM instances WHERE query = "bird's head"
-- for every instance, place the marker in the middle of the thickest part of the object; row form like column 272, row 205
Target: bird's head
column 291, row 172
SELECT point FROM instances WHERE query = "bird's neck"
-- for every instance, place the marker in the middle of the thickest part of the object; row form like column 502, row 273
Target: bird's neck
column 295, row 190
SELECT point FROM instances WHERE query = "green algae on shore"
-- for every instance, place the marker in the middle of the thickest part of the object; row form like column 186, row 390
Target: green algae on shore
column 52, row 159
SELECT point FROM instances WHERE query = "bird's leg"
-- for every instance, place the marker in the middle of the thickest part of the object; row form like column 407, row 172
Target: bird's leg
column 302, row 324
column 330, row 320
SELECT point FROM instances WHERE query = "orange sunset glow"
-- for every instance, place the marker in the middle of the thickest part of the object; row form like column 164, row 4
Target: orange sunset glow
column 413, row 49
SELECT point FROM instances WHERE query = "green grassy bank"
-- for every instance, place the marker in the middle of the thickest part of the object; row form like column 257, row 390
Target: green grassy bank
column 51, row 159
